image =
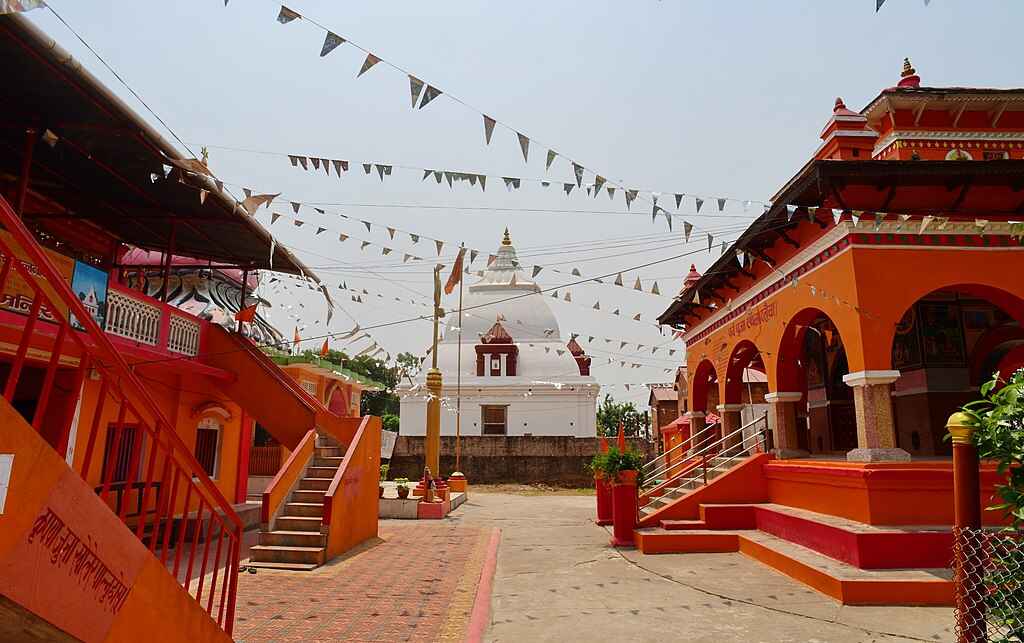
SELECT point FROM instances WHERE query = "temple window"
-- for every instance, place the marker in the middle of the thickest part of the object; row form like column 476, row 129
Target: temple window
column 495, row 419
column 121, row 462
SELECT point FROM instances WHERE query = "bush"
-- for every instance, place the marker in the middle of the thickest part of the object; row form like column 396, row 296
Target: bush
column 998, row 419
column 614, row 461
column 390, row 422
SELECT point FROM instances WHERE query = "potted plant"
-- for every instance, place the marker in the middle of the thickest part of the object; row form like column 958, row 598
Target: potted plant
column 602, row 485
column 384, row 468
column 624, row 470
column 402, row 486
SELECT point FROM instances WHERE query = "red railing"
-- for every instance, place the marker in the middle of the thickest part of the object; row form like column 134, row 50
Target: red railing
column 265, row 461
column 175, row 496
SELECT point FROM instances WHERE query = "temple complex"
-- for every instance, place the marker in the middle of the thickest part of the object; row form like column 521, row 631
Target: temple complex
column 518, row 375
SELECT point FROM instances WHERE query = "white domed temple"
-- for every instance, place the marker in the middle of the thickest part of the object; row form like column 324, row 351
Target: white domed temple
column 519, row 376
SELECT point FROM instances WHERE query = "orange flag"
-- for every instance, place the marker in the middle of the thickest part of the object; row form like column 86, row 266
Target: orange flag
column 622, row 438
column 324, row 349
column 456, row 276
column 247, row 314
column 604, row 444
column 295, row 338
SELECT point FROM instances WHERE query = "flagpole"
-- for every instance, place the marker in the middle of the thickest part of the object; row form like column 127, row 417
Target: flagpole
column 458, row 383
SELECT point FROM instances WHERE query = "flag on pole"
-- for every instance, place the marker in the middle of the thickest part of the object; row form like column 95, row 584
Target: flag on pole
column 295, row 337
column 324, row 349
column 456, row 276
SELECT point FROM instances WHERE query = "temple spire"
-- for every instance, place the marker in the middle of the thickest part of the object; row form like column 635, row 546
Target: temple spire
column 506, row 240
column 909, row 77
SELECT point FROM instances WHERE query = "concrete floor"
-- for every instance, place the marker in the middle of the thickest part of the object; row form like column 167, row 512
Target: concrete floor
column 557, row 580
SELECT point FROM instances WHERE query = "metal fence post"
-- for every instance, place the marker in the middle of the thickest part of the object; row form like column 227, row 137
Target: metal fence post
column 968, row 569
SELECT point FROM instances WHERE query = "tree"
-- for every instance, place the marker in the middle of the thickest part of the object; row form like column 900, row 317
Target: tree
column 610, row 413
column 384, row 401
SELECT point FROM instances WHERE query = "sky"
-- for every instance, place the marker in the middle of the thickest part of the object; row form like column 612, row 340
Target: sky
column 716, row 98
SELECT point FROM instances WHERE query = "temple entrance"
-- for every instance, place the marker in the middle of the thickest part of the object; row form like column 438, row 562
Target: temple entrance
column 813, row 362
column 705, row 403
column 945, row 346
column 337, row 403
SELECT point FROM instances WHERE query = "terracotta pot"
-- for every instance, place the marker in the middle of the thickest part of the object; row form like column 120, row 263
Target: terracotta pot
column 624, row 509
column 626, row 477
column 604, row 499
column 403, row 492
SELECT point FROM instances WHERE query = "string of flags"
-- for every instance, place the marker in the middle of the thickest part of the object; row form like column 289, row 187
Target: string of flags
column 439, row 244
column 879, row 3
column 451, row 177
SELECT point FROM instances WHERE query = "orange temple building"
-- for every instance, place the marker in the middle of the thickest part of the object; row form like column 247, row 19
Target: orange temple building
column 876, row 292
column 128, row 413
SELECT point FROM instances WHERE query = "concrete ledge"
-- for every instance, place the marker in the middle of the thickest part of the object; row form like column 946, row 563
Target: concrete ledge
column 878, row 455
column 402, row 508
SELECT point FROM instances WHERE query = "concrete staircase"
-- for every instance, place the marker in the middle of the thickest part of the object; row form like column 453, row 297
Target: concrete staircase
column 690, row 481
column 297, row 538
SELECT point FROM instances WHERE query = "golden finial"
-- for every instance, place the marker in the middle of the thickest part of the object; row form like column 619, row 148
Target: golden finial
column 908, row 70
column 506, row 240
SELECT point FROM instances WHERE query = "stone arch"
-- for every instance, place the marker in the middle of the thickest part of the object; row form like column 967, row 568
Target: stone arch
column 745, row 355
column 705, row 384
column 811, row 363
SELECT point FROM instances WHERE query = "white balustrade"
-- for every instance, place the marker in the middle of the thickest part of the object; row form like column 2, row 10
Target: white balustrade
column 132, row 318
column 183, row 336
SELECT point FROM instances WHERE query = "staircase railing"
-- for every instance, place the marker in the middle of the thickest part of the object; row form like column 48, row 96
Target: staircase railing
column 177, row 501
column 663, row 463
column 736, row 444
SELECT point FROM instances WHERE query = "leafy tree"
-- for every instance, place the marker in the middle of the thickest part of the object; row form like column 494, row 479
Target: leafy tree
column 999, row 435
column 383, row 402
column 390, row 422
column 610, row 413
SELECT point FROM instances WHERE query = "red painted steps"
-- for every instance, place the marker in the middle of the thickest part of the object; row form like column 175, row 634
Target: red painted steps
column 843, row 582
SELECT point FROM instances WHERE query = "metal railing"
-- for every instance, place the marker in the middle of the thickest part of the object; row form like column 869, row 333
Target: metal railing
column 720, row 453
column 188, row 507
column 664, row 463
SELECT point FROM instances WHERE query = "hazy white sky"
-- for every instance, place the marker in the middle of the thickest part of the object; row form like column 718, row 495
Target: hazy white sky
column 714, row 98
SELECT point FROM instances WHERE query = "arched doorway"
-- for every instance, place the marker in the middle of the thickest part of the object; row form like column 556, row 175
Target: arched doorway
column 704, row 400
column 946, row 344
column 812, row 362
column 745, row 389
column 337, row 402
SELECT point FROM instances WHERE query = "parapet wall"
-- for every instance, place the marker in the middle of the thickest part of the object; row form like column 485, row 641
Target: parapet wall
column 553, row 460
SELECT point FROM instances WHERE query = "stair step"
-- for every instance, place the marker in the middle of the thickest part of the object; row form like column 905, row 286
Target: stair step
column 320, row 484
column 308, row 495
column 679, row 525
column 321, row 472
column 329, row 452
column 298, row 523
column 304, row 509
column 330, row 462
column 286, row 554
column 302, row 567
column 291, row 538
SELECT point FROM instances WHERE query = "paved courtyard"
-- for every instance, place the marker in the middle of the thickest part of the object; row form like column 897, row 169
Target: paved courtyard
column 556, row 579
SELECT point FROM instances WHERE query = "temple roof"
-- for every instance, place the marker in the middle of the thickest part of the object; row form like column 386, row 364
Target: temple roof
column 101, row 171
column 496, row 335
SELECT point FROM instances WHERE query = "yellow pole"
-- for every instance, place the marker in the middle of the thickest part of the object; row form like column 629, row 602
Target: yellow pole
column 432, row 447
column 458, row 387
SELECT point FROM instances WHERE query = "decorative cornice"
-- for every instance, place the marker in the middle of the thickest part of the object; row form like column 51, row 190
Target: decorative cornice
column 867, row 378
column 945, row 135
column 783, row 396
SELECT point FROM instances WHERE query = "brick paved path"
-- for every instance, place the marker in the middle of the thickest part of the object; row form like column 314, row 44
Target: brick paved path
column 416, row 583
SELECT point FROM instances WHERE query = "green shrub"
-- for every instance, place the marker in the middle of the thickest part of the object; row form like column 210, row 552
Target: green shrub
column 384, row 468
column 998, row 419
column 390, row 422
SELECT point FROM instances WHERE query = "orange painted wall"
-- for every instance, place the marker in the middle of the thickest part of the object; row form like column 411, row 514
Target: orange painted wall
column 325, row 386
column 156, row 608
column 180, row 399
column 354, row 507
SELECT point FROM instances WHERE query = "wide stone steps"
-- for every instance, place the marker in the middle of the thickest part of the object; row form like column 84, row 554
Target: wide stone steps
column 287, row 538
column 288, row 554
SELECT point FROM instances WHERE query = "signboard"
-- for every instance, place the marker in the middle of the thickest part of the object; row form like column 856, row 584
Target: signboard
column 89, row 284
column 387, row 444
column 17, row 295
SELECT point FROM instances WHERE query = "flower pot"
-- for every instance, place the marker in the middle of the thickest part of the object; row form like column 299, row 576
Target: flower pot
column 403, row 492
column 624, row 509
column 604, row 500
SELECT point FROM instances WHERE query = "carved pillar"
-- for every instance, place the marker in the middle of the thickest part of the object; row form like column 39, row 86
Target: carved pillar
column 876, row 432
column 731, row 422
column 782, row 422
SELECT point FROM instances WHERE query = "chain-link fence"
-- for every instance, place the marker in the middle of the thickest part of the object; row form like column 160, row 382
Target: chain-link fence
column 989, row 584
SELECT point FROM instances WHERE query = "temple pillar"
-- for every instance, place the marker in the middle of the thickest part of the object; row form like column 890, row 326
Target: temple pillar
column 782, row 423
column 696, row 419
column 731, row 422
column 876, row 432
